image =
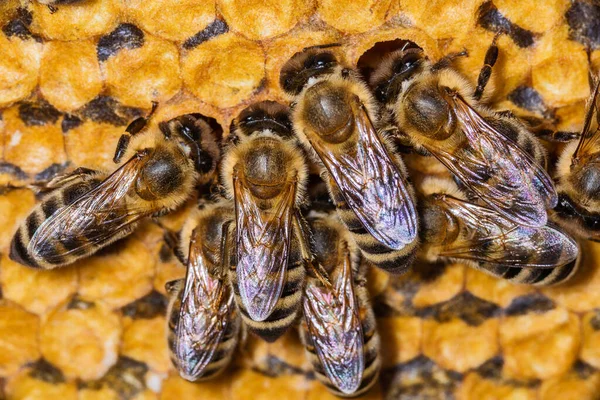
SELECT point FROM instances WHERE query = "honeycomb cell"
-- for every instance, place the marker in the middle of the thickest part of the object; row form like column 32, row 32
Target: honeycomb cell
column 140, row 75
column 366, row 14
column 127, row 265
column 34, row 141
column 249, row 384
column 533, row 16
column 92, row 145
column 70, row 74
column 26, row 387
column 499, row 291
column 225, row 70
column 76, row 21
column 571, row 386
column 171, row 19
column 15, row 206
column 442, row 18
column 81, row 334
column 442, row 342
column 440, row 283
column 288, row 349
column 19, row 68
column 560, row 69
column 475, row 387
column 103, row 393
column 141, row 342
column 582, row 292
column 539, row 346
column 18, row 337
column 258, row 19
column 175, row 387
column 402, row 338
column 590, row 346
column 36, row 291
column 377, row 281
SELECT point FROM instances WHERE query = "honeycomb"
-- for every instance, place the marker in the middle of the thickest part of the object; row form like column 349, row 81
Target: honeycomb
column 73, row 75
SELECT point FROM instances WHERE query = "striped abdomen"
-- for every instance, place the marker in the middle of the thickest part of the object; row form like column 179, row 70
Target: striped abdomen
column 371, row 347
column 218, row 358
column 390, row 260
column 531, row 276
column 54, row 253
column 286, row 309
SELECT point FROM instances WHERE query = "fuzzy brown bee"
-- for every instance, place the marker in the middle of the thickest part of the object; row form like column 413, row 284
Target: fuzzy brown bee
column 333, row 117
column 87, row 210
column 203, row 320
column 264, row 172
column 456, row 229
column 493, row 155
column 339, row 330
column 578, row 176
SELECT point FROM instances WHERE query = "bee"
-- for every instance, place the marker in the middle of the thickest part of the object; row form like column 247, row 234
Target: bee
column 339, row 330
column 333, row 116
column 491, row 154
column 456, row 229
column 578, row 176
column 203, row 320
column 264, row 172
column 87, row 210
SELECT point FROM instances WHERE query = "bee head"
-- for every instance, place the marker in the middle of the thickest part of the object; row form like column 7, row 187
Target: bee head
column 310, row 63
column 196, row 138
column 397, row 68
column 266, row 115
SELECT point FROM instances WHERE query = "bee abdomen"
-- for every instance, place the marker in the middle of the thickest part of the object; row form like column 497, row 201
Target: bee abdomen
column 532, row 276
column 390, row 260
column 286, row 309
column 56, row 252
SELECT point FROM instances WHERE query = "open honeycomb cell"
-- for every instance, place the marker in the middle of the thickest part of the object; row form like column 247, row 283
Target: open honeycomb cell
column 72, row 76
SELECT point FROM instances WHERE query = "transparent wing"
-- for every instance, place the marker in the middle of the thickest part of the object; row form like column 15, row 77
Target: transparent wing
column 372, row 186
column 590, row 134
column 263, row 244
column 206, row 311
column 489, row 237
column 331, row 314
column 498, row 171
column 94, row 218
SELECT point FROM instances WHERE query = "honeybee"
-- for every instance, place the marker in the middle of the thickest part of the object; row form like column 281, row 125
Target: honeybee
column 456, row 229
column 578, row 176
column 87, row 210
column 334, row 118
column 264, row 172
column 491, row 154
column 339, row 330
column 203, row 321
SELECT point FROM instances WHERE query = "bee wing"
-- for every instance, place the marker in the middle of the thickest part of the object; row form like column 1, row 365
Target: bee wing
column 498, row 171
column 490, row 237
column 206, row 311
column 94, row 218
column 590, row 134
column 331, row 314
column 373, row 187
column 263, row 244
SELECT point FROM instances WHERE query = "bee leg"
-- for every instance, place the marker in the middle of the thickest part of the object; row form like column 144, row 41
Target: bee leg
column 448, row 59
column 136, row 126
column 52, row 8
column 544, row 129
column 491, row 56
column 171, row 287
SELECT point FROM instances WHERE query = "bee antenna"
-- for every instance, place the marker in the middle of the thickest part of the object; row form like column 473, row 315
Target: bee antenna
column 322, row 46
